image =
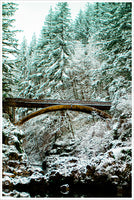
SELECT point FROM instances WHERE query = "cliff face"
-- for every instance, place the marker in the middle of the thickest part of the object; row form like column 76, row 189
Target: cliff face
column 94, row 161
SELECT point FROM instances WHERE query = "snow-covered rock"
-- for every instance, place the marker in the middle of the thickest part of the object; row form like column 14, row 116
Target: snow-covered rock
column 97, row 152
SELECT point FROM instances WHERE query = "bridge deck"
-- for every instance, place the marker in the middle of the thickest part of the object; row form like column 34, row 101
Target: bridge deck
column 37, row 103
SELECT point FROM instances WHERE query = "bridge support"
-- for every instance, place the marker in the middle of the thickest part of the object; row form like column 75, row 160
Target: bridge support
column 10, row 111
column 85, row 109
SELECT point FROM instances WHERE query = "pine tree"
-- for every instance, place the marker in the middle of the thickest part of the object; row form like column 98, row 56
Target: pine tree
column 28, row 70
column 83, row 24
column 88, row 16
column 114, row 40
column 9, row 47
column 21, row 62
column 57, row 71
column 32, row 75
column 54, row 51
column 43, row 54
column 79, row 28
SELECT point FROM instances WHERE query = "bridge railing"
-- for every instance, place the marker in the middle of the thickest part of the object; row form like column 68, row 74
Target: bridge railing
column 37, row 103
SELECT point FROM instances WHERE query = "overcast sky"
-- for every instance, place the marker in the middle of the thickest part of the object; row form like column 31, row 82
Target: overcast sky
column 31, row 15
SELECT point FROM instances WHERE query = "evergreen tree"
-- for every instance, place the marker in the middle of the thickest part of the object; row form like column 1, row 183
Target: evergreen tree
column 32, row 75
column 9, row 47
column 114, row 40
column 43, row 54
column 79, row 28
column 88, row 24
column 28, row 69
column 84, row 24
column 21, row 62
column 57, row 71
column 54, row 51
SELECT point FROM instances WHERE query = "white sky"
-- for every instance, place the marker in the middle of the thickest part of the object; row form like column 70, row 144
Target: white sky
column 31, row 15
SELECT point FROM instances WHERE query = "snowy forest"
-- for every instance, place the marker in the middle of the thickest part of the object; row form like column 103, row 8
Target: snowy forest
column 89, row 59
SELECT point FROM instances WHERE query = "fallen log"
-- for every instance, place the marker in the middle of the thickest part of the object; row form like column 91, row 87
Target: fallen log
column 81, row 108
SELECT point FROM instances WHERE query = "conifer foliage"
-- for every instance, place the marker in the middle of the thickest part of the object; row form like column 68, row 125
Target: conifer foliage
column 114, row 40
column 9, row 47
column 56, row 42
column 88, row 58
column 21, row 62
column 84, row 24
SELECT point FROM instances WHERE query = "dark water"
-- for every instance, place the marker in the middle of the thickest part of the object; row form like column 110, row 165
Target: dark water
column 78, row 190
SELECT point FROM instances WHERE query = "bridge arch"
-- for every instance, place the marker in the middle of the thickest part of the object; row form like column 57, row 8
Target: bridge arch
column 81, row 108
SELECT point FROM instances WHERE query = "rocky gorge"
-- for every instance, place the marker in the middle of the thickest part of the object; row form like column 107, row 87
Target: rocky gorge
column 94, row 162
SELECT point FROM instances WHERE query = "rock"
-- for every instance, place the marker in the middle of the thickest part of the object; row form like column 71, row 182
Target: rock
column 5, row 115
column 73, row 160
column 85, row 161
column 13, row 156
column 64, row 189
column 90, row 170
column 114, row 179
column 13, row 163
column 7, row 182
column 24, row 195
column 11, row 175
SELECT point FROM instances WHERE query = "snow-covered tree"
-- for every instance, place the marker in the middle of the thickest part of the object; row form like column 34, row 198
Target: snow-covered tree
column 9, row 47
column 89, row 25
column 114, row 40
column 84, row 24
column 54, row 51
column 57, row 71
column 32, row 77
column 43, row 54
column 21, row 63
column 79, row 28
column 26, row 64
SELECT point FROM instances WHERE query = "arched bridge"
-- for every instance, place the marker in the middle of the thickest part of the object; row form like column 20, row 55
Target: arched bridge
column 54, row 105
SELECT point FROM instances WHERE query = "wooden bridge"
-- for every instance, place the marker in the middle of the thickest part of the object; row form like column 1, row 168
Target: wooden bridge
column 54, row 105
